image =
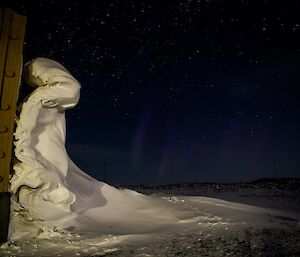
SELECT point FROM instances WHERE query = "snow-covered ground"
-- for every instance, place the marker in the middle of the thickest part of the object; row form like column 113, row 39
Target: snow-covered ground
column 266, row 192
column 210, row 227
column 59, row 210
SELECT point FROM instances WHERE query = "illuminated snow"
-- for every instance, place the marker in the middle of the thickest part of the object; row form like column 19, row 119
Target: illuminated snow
column 50, row 193
column 59, row 210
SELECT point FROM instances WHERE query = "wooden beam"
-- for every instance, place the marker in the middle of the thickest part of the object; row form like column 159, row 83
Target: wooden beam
column 11, row 49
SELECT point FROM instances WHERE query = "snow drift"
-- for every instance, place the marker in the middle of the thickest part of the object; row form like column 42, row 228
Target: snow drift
column 49, row 192
column 51, row 196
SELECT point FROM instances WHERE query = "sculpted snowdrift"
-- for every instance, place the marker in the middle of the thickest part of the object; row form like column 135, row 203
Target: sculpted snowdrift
column 49, row 192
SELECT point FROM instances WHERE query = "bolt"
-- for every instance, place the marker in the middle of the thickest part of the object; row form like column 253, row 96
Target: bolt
column 5, row 107
column 2, row 155
column 10, row 73
column 3, row 129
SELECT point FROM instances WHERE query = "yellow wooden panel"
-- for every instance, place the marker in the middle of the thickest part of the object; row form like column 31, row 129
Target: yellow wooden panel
column 10, row 78
column 6, row 20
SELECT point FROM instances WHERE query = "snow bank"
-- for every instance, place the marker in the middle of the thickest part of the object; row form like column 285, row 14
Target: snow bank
column 49, row 192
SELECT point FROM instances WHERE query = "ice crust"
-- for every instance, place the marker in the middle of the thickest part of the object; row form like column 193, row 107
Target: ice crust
column 50, row 193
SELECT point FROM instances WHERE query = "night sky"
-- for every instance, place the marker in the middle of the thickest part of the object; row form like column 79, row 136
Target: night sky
column 176, row 91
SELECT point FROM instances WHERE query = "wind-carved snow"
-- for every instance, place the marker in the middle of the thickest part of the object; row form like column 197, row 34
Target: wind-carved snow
column 50, row 193
column 59, row 210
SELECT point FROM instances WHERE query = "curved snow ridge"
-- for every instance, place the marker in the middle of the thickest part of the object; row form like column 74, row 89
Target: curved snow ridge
column 49, row 192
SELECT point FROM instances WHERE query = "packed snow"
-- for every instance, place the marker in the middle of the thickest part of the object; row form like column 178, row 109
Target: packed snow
column 50, row 193
column 213, row 227
column 59, row 210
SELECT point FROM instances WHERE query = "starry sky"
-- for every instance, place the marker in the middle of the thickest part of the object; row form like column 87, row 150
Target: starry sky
column 176, row 91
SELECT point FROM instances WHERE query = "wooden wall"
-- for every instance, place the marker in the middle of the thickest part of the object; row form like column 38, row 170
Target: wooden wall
column 12, row 29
